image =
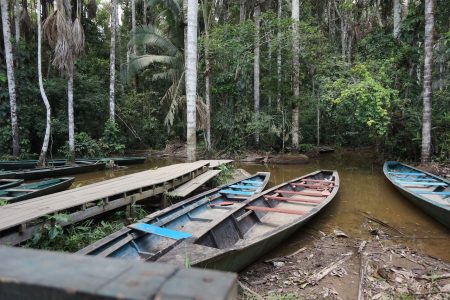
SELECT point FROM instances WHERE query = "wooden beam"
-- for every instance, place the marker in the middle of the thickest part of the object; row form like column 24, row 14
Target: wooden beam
column 288, row 199
column 312, row 194
column 276, row 210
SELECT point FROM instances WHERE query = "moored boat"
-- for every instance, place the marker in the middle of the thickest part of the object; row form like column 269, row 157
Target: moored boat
column 231, row 238
column 9, row 183
column 39, row 173
column 211, row 205
column 35, row 189
column 429, row 192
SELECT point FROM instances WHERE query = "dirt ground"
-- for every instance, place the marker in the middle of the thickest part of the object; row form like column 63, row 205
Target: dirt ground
column 335, row 266
column 441, row 169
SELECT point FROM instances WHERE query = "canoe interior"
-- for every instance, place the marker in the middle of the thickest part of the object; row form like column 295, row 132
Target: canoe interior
column 218, row 233
column 8, row 183
column 196, row 212
column 31, row 190
column 429, row 192
column 422, row 184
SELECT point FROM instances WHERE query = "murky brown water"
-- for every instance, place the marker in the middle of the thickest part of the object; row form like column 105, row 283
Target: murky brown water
column 363, row 188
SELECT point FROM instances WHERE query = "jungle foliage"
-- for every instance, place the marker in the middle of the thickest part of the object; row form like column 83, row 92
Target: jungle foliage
column 371, row 95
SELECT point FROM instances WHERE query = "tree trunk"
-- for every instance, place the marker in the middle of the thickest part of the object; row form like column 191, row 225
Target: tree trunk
column 397, row 10
column 133, row 22
column 207, row 76
column 427, row 81
column 112, row 61
column 71, row 115
column 256, row 68
column 191, row 78
column 279, row 14
column 296, row 73
column 43, row 154
column 10, row 75
column 241, row 11
column 378, row 14
column 144, row 14
column 17, row 22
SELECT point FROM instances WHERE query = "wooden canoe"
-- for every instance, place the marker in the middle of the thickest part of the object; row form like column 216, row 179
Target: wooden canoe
column 35, row 189
column 236, row 237
column 40, row 173
column 9, row 183
column 429, row 192
column 219, row 201
column 27, row 164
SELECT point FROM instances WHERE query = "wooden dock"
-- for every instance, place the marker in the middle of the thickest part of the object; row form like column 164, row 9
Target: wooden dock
column 19, row 221
column 36, row 274
column 192, row 185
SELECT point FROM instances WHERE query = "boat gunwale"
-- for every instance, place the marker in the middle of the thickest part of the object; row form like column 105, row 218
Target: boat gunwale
column 104, row 241
column 407, row 190
column 279, row 229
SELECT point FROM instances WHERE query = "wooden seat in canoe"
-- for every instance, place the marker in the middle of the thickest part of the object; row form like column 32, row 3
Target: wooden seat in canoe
column 253, row 182
column 302, row 193
column 433, row 193
column 276, row 210
column 244, row 187
column 318, row 181
column 224, row 203
column 288, row 199
column 22, row 190
column 232, row 192
column 161, row 231
column 407, row 173
column 313, row 186
column 421, row 183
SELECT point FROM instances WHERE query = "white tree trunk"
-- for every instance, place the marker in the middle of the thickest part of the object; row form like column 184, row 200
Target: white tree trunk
column 427, row 81
column 112, row 61
column 256, row 68
column 191, row 78
column 241, row 11
column 296, row 73
column 279, row 14
column 10, row 75
column 397, row 10
column 17, row 21
column 43, row 154
column 133, row 22
column 207, row 76
column 144, row 14
column 70, row 115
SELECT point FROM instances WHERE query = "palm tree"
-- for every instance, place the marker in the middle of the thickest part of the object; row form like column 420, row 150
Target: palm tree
column 10, row 75
column 67, row 40
column 43, row 154
column 165, row 40
column 191, row 77
column 397, row 11
column 427, row 81
column 296, row 73
column 279, row 15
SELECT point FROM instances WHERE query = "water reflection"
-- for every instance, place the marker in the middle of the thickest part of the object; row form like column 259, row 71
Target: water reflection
column 363, row 189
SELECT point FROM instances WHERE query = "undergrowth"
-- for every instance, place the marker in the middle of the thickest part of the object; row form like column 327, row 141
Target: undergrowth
column 75, row 237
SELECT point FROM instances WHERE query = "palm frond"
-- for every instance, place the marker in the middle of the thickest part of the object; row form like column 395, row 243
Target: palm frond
column 138, row 63
column 175, row 7
column 151, row 36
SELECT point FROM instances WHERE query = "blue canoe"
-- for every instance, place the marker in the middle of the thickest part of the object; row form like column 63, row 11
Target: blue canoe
column 429, row 192
column 154, row 235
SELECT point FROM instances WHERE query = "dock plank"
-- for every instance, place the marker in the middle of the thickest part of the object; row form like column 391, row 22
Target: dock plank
column 192, row 185
column 37, row 274
column 22, row 212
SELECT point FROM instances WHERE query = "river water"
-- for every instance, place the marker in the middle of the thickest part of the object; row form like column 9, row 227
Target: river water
column 363, row 188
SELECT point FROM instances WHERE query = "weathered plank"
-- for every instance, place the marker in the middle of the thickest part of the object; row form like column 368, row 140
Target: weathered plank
column 217, row 162
column 112, row 193
column 35, row 274
column 192, row 185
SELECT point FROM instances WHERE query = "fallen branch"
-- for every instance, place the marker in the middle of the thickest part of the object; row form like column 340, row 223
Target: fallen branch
column 435, row 277
column 316, row 277
column 362, row 272
column 378, row 221
column 286, row 256
column 250, row 291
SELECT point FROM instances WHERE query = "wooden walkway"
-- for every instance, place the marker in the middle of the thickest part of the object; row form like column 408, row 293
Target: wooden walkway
column 192, row 185
column 19, row 221
column 35, row 274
